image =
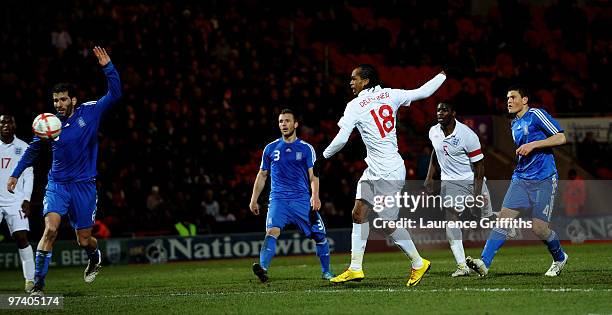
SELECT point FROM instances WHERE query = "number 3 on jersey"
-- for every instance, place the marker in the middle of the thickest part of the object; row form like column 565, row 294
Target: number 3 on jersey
column 385, row 113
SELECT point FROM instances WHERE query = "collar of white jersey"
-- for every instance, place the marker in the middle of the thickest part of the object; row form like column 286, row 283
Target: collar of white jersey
column 454, row 133
column 370, row 90
column 10, row 143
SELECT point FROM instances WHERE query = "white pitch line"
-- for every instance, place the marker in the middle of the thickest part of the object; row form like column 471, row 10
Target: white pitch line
column 390, row 290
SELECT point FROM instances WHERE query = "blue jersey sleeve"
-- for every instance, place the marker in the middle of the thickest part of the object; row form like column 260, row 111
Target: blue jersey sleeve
column 311, row 156
column 28, row 158
column 265, row 159
column 114, row 89
column 546, row 123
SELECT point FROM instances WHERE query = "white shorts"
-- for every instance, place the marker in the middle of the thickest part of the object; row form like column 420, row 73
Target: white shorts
column 371, row 184
column 457, row 191
column 15, row 219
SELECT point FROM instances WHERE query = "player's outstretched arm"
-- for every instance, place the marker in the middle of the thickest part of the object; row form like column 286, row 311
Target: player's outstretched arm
column 112, row 78
column 315, row 202
column 432, row 170
column 338, row 143
column 426, row 90
column 260, row 182
column 27, row 160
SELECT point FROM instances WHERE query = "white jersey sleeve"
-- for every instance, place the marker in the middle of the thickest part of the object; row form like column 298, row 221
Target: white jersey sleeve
column 28, row 183
column 472, row 146
column 347, row 124
column 405, row 97
column 349, row 118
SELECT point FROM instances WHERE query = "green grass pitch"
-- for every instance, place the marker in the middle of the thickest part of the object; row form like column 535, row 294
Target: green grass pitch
column 516, row 284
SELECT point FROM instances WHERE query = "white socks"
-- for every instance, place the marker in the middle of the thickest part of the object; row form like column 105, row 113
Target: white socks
column 455, row 237
column 359, row 239
column 402, row 239
column 27, row 262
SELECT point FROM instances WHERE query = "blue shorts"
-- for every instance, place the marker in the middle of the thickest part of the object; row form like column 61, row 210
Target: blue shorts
column 78, row 200
column 284, row 212
column 535, row 195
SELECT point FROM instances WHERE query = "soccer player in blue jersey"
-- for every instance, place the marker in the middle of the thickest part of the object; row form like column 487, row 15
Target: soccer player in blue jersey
column 71, row 188
column 534, row 182
column 294, row 194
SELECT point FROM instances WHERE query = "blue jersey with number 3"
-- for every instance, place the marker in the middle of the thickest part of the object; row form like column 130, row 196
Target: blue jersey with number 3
column 536, row 124
column 288, row 164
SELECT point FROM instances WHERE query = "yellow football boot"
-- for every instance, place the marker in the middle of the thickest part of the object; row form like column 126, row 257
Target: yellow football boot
column 417, row 274
column 348, row 275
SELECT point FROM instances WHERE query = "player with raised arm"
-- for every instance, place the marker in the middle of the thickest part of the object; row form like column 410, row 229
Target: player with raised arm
column 374, row 112
column 15, row 206
column 71, row 188
column 294, row 194
column 534, row 182
column 458, row 157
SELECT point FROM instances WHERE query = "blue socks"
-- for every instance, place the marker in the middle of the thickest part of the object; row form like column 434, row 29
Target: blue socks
column 43, row 259
column 554, row 246
column 498, row 237
column 268, row 249
column 494, row 243
column 323, row 253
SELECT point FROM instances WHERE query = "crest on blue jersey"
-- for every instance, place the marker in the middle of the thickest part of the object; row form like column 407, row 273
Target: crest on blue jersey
column 298, row 156
column 525, row 130
column 18, row 151
column 81, row 122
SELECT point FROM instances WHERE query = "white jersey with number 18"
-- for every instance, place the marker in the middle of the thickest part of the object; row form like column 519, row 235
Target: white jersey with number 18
column 374, row 113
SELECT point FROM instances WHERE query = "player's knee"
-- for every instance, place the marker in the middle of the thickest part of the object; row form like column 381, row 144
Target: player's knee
column 360, row 212
column 21, row 239
column 50, row 232
column 318, row 237
column 358, row 216
column 83, row 241
column 273, row 232
column 541, row 229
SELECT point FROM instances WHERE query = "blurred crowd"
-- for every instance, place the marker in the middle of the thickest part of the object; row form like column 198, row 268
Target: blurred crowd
column 204, row 82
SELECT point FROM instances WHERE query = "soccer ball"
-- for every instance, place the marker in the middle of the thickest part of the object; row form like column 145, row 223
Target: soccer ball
column 47, row 126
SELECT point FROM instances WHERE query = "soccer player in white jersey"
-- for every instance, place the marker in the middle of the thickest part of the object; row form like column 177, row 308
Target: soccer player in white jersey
column 374, row 112
column 15, row 207
column 458, row 157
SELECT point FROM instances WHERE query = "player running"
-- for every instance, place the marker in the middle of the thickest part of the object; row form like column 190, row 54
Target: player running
column 534, row 182
column 71, row 188
column 458, row 157
column 15, row 207
column 374, row 112
column 294, row 195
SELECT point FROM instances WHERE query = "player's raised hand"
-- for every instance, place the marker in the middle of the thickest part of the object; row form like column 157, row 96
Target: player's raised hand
column 102, row 56
column 254, row 207
column 10, row 184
